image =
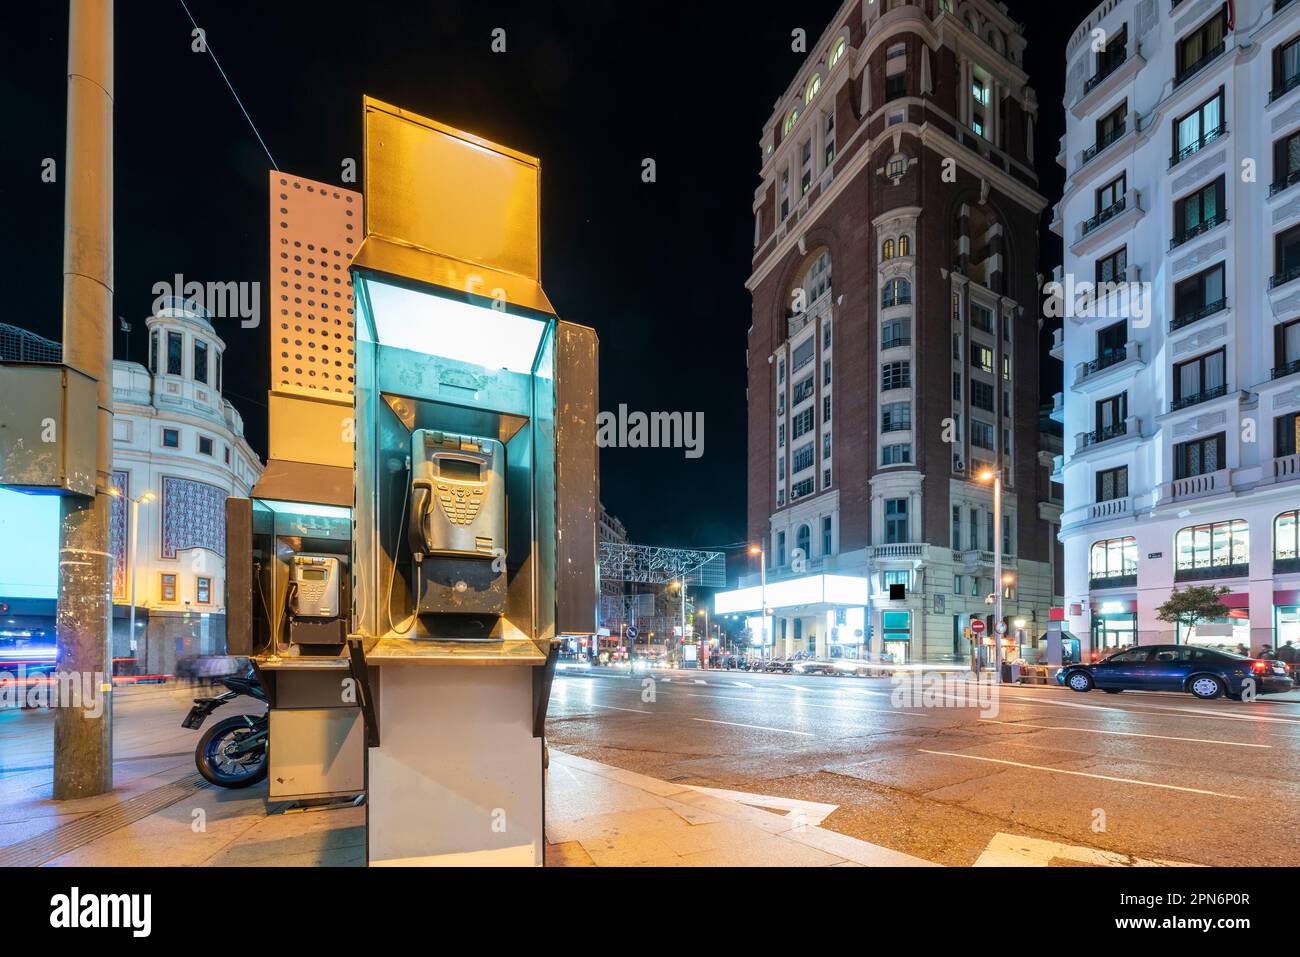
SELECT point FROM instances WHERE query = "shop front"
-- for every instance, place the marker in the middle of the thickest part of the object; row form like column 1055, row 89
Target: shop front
column 1114, row 625
column 1286, row 622
column 816, row 616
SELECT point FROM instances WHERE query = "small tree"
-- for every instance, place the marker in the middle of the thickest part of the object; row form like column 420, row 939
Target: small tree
column 1193, row 605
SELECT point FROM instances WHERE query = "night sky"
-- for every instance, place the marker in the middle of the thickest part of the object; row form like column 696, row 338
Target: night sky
column 592, row 88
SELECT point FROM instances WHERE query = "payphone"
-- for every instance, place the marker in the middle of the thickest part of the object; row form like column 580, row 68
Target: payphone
column 315, row 600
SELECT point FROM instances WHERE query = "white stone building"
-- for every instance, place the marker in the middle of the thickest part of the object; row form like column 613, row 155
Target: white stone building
column 1180, row 466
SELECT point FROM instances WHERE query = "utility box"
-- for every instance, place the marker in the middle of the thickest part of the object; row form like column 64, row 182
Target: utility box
column 47, row 428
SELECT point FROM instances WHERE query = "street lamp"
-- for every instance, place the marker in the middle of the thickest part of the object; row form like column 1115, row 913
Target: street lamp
column 762, row 591
column 995, row 476
column 135, row 524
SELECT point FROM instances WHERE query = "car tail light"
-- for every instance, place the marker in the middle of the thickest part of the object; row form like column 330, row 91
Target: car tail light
column 1260, row 667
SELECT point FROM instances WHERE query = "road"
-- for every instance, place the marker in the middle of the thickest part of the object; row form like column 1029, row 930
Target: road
column 1139, row 777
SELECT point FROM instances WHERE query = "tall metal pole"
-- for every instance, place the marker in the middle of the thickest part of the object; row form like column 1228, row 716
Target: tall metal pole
column 997, row 575
column 83, row 738
column 762, row 591
column 135, row 522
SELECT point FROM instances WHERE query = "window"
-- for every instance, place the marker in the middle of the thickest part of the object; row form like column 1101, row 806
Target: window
column 1286, row 348
column 1198, row 212
column 887, row 249
column 1198, row 296
column 895, row 375
column 1198, row 457
column 802, row 459
column 780, row 371
column 956, row 532
column 1109, row 128
column 826, row 535
column 898, row 454
column 826, row 335
column 828, row 126
column 168, row 587
column 780, row 436
column 814, row 85
column 1110, row 414
column 780, row 467
column 981, row 435
column 896, row 577
column 801, row 423
column 826, row 408
column 837, row 52
column 785, row 191
column 1198, row 128
column 974, row 527
column 1200, row 379
column 780, row 549
column 1008, row 536
column 803, row 540
column 981, row 318
column 1286, row 256
column 200, row 361
column 826, row 445
column 1111, row 344
column 1286, row 537
column 1200, row 46
column 153, row 353
column 826, row 372
column 1286, row 162
column 205, row 445
column 1112, row 484
column 1286, row 434
column 895, row 521
column 1114, row 267
column 803, row 354
column 803, row 389
column 791, row 120
column 896, row 292
column 1006, row 367
column 1110, row 198
column 805, row 166
column 202, row 590
column 896, row 332
column 173, row 353
column 1112, row 54
column 981, row 357
column 896, row 417
column 981, row 395
column 1286, row 68
column 217, row 381
column 1202, row 551
column 800, row 489
column 171, row 438
column 956, row 386
column 826, row 478
column 1115, row 558
column 895, row 86
column 904, row 245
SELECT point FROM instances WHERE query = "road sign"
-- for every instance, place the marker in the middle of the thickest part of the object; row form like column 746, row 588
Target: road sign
column 977, row 626
column 631, row 631
column 1001, row 628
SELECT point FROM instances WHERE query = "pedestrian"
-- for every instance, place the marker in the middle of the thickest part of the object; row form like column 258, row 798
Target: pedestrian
column 1287, row 653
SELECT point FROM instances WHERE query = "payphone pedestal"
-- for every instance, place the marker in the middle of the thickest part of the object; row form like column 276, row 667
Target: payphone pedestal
column 457, row 778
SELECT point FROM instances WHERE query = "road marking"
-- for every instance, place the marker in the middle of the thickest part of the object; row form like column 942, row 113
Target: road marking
column 756, row 727
column 741, row 684
column 699, row 681
column 1084, row 774
column 1127, row 734
column 1010, row 850
column 1166, row 712
column 610, row 707
column 811, row 813
column 793, row 687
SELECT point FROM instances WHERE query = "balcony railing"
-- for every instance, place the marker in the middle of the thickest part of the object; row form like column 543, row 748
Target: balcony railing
column 1195, row 315
column 1110, row 212
column 1198, row 144
column 1113, row 431
column 1194, row 573
column 1205, row 60
column 1290, row 179
column 1104, row 70
column 901, row 299
column 1191, row 232
column 1286, row 566
column 1205, row 483
column 1106, row 360
column 1109, row 508
column 1205, row 395
column 1287, row 369
column 1103, row 142
column 1286, row 86
column 1113, row 581
column 1286, row 467
column 904, row 550
column 896, row 341
column 1284, row 276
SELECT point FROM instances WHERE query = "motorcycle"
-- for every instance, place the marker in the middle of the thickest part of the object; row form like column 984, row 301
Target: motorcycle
column 233, row 752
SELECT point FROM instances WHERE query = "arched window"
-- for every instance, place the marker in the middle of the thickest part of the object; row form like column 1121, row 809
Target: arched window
column 896, row 292
column 814, row 85
column 816, row 281
column 837, row 52
column 1111, row 561
column 904, row 245
column 803, row 539
column 792, row 119
column 887, row 250
column 1286, row 538
column 1217, row 550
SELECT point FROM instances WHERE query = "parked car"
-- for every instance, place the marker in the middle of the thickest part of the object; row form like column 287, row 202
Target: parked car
column 1204, row 672
column 779, row 665
column 814, row 666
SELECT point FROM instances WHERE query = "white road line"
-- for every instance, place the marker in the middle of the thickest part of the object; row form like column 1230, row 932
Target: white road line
column 812, row 812
column 756, row 727
column 699, row 681
column 1164, row 712
column 793, row 687
column 610, row 707
column 833, row 707
column 1127, row 734
column 1084, row 774
column 741, row 684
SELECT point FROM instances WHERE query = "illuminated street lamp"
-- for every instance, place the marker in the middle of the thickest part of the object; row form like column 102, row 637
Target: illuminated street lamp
column 762, row 591
column 995, row 476
column 135, row 523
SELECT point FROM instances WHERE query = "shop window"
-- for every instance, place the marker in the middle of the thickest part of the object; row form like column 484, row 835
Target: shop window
column 203, row 590
column 1286, row 542
column 168, row 589
column 1113, row 563
column 1218, row 550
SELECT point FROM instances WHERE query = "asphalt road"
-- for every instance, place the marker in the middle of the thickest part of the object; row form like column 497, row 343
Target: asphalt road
column 1149, row 776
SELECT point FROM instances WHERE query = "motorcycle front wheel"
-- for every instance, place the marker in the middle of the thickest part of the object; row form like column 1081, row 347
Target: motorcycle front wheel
column 218, row 765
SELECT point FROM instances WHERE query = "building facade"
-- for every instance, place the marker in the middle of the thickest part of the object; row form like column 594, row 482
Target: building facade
column 1182, row 359
column 893, row 355
column 177, row 437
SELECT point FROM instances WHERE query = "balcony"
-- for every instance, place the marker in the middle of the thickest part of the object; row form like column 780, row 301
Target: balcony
column 1109, row 139
column 1205, row 395
column 1116, row 364
column 1194, row 147
column 1095, row 230
column 1283, row 88
column 1113, row 581
column 1287, row 181
column 1196, row 315
column 1191, row 232
column 1198, row 486
column 1290, row 368
column 1058, row 345
column 1286, row 566
column 900, row 551
column 1058, row 407
column 1089, row 440
column 896, row 342
column 1208, row 58
column 1111, row 508
column 983, row 557
column 1198, row 573
column 1284, row 276
column 1286, row 467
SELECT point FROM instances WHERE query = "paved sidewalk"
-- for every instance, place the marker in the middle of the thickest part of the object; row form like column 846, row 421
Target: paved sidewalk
column 597, row 815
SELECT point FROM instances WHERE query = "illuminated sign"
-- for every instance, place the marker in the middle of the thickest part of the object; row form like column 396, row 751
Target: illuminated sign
column 32, row 570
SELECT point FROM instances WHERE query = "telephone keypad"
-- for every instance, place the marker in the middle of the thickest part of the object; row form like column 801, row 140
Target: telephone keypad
column 460, row 503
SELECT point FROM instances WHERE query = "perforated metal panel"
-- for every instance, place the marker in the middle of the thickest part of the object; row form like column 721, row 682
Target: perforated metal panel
column 315, row 231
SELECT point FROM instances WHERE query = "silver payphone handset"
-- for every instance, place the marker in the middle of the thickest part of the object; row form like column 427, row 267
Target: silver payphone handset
column 458, row 495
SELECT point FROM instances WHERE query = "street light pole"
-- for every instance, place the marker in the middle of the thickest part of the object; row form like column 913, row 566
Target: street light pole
column 997, row 575
column 762, row 592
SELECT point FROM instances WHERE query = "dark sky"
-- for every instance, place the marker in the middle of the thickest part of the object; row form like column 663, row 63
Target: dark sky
column 592, row 88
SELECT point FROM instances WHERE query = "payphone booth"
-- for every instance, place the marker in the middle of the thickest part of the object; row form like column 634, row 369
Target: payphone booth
column 474, row 508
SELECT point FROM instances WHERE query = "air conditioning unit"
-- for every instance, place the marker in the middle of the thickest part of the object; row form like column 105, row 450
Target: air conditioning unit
column 957, row 464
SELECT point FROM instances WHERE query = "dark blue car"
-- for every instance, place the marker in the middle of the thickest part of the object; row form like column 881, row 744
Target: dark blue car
column 1204, row 672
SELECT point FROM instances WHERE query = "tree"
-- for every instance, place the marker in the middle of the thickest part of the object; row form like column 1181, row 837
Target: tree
column 1193, row 605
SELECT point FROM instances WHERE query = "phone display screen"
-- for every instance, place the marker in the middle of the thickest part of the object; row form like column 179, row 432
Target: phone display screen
column 458, row 469
column 313, row 574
